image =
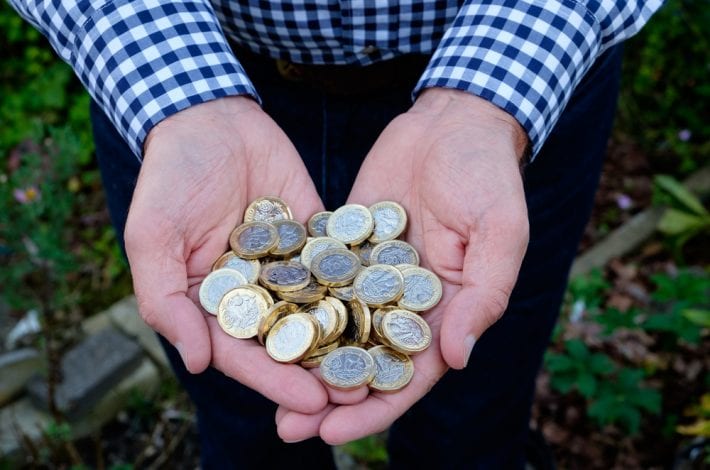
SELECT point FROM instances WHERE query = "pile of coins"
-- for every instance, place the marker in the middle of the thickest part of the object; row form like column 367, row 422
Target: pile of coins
column 346, row 299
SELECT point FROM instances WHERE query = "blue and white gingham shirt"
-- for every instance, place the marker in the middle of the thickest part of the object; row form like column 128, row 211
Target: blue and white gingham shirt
column 143, row 60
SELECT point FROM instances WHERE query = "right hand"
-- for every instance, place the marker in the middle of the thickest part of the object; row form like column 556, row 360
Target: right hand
column 201, row 168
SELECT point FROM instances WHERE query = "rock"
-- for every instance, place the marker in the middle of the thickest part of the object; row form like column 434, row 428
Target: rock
column 96, row 323
column 88, row 371
column 16, row 368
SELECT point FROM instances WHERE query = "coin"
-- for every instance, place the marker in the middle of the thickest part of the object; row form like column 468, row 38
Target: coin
column 394, row 252
column 363, row 251
column 393, row 370
column 351, row 224
column 327, row 318
column 292, row 237
column 359, row 322
column 405, row 331
column 376, row 330
column 248, row 267
column 313, row 292
column 216, row 284
column 267, row 209
column 284, row 276
column 253, row 240
column 291, row 338
column 347, row 368
column 318, row 245
column 264, row 293
column 344, row 293
column 240, row 312
column 274, row 314
column 422, row 289
column 379, row 285
column 335, row 267
column 325, row 349
column 317, row 224
column 341, row 312
column 311, row 362
column 390, row 221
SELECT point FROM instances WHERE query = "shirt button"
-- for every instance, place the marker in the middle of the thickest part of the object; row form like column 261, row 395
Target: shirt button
column 369, row 49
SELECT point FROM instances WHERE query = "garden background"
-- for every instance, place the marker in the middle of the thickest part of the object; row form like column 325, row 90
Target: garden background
column 626, row 379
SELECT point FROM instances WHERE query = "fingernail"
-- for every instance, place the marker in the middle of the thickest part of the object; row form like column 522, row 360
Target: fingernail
column 183, row 355
column 468, row 347
column 293, row 441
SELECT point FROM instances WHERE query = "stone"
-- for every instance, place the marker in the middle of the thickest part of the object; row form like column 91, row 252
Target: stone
column 89, row 370
column 16, row 368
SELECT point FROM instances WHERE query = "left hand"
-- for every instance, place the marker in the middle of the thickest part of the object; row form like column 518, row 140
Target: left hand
column 452, row 161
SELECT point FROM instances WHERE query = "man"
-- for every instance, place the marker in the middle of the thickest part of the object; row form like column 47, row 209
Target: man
column 177, row 108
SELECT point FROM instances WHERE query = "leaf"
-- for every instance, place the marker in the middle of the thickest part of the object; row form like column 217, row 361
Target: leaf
column 587, row 385
column 676, row 222
column 562, row 383
column 698, row 428
column 679, row 192
column 558, row 363
column 697, row 316
column 648, row 399
column 577, row 349
column 601, row 364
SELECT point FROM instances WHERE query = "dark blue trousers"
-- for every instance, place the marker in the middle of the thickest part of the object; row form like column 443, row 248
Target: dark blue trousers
column 475, row 418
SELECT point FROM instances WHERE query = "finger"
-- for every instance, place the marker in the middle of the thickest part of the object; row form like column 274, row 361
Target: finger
column 247, row 362
column 343, row 397
column 294, row 427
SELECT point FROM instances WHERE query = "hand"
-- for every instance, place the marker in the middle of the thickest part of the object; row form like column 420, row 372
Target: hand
column 202, row 167
column 453, row 162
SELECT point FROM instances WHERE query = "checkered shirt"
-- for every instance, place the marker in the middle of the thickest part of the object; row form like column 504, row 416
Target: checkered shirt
column 144, row 60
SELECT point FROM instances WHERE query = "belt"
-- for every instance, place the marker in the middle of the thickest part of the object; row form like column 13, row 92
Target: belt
column 345, row 80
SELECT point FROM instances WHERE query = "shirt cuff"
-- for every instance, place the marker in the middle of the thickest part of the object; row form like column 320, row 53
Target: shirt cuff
column 524, row 56
column 143, row 61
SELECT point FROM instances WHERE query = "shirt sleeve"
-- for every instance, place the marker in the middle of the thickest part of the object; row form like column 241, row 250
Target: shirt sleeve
column 141, row 60
column 527, row 56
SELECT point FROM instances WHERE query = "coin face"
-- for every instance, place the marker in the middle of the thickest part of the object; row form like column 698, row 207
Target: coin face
column 275, row 313
column 352, row 224
column 376, row 330
column 313, row 292
column 317, row 224
column 327, row 318
column 291, row 338
column 393, row 370
column 379, row 285
column 405, row 331
column 422, row 289
column 284, row 276
column 344, row 293
column 267, row 209
column 390, row 221
column 341, row 312
column 394, row 252
column 248, row 267
column 335, row 267
column 292, row 237
column 347, row 368
column 363, row 251
column 253, row 240
column 318, row 245
column 359, row 322
column 216, row 284
column 240, row 312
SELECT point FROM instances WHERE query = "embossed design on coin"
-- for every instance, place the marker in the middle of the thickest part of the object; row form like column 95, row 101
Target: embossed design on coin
column 327, row 317
column 379, row 285
column 405, row 331
column 284, row 276
column 319, row 245
column 393, row 370
column 394, row 252
column 240, row 312
column 390, row 221
column 275, row 313
column 422, row 289
column 292, row 237
column 351, row 224
column 291, row 338
column 253, row 239
column 347, row 368
column 344, row 293
column 317, row 224
column 248, row 267
column 267, row 209
column 335, row 267
column 216, row 284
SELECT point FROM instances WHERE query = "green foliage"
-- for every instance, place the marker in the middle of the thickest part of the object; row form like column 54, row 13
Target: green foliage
column 588, row 289
column 577, row 368
column 611, row 319
column 58, row 432
column 685, row 217
column 369, row 450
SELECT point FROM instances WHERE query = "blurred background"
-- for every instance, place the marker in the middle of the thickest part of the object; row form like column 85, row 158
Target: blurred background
column 626, row 382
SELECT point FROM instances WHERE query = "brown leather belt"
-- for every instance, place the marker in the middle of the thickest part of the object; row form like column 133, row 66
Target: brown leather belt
column 346, row 80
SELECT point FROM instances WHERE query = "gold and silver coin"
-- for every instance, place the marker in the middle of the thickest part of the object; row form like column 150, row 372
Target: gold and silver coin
column 335, row 267
column 405, row 331
column 390, row 221
column 275, row 313
column 313, row 292
column 284, row 276
column 341, row 312
column 379, row 285
column 359, row 324
column 363, row 251
column 216, row 284
column 352, row 224
column 248, row 267
column 315, row 246
column 327, row 318
column 317, row 224
column 344, row 293
column 291, row 338
column 292, row 237
column 253, row 240
column 267, row 209
column 311, row 362
column 264, row 293
column 394, row 252
column 422, row 289
column 347, row 368
column 240, row 312
column 376, row 329
column 393, row 370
